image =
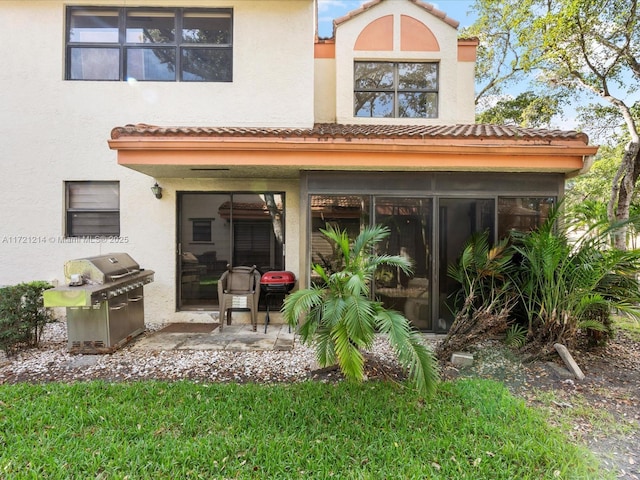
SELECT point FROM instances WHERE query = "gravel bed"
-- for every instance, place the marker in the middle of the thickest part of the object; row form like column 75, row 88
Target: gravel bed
column 51, row 362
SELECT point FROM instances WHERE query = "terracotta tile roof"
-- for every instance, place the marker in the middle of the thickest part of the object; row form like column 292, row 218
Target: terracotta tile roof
column 427, row 6
column 355, row 132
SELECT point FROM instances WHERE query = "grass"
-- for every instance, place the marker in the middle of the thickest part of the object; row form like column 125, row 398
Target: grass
column 628, row 325
column 579, row 410
column 471, row 429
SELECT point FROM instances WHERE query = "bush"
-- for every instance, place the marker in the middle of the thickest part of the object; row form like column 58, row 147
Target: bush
column 22, row 315
column 558, row 281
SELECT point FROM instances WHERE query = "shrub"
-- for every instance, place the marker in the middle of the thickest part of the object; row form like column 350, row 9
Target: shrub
column 557, row 281
column 22, row 315
column 340, row 319
column 567, row 285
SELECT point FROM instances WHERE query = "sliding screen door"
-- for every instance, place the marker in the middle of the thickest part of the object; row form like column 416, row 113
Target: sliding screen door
column 458, row 219
column 410, row 223
column 217, row 229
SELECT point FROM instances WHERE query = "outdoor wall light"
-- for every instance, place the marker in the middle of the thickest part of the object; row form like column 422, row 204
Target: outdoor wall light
column 157, row 190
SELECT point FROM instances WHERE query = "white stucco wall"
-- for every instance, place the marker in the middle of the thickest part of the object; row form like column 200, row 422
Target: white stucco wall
column 54, row 130
column 454, row 105
column 325, row 90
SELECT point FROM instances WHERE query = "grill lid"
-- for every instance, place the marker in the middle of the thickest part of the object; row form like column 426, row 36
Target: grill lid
column 278, row 278
column 101, row 269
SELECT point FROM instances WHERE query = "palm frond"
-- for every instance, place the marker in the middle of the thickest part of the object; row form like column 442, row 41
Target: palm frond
column 324, row 348
column 368, row 238
column 412, row 354
column 340, row 238
column 300, row 303
column 359, row 320
column 340, row 318
column 348, row 354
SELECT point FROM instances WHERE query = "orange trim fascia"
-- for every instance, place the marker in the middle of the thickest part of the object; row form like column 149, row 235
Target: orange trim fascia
column 366, row 157
column 360, row 160
column 468, row 50
column 266, row 145
column 324, row 50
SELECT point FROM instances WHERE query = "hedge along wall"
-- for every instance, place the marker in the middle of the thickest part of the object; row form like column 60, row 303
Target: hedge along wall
column 22, row 315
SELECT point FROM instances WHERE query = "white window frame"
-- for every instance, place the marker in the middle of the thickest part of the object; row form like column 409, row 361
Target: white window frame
column 88, row 202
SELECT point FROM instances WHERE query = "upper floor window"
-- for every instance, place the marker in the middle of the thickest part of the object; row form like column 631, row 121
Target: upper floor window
column 160, row 44
column 396, row 89
column 92, row 208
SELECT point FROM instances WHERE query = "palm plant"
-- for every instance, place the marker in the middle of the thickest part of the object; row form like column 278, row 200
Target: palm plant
column 483, row 273
column 340, row 319
column 485, row 297
column 566, row 285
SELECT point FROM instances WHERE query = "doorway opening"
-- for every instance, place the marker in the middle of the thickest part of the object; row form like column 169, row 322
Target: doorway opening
column 218, row 229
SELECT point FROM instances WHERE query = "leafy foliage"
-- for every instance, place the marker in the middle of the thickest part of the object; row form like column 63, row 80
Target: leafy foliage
column 528, row 110
column 553, row 281
column 566, row 285
column 483, row 272
column 22, row 315
column 585, row 48
column 340, row 319
column 485, row 296
column 516, row 336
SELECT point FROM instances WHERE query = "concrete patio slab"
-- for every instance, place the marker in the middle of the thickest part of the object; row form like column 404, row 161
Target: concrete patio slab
column 235, row 337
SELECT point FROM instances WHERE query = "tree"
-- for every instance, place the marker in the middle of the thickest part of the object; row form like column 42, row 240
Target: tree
column 528, row 110
column 340, row 319
column 577, row 46
column 498, row 64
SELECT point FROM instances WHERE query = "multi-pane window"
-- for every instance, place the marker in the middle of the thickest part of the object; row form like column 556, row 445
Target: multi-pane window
column 396, row 89
column 201, row 230
column 168, row 44
column 92, row 209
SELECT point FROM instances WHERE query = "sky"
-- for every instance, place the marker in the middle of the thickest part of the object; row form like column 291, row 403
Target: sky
column 329, row 10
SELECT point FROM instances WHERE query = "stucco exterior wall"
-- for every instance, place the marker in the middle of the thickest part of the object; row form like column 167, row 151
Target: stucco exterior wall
column 325, row 90
column 54, row 130
column 454, row 80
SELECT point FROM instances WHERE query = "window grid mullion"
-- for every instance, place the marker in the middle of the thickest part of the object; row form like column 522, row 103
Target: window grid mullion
column 396, row 83
column 178, row 37
column 123, row 47
column 122, row 38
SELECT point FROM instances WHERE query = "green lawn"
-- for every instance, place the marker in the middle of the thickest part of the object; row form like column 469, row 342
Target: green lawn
column 471, row 429
column 629, row 326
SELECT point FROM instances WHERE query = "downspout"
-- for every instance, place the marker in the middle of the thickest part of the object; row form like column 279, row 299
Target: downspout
column 587, row 163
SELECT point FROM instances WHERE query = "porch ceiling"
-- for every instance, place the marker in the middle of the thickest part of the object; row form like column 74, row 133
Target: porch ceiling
column 198, row 152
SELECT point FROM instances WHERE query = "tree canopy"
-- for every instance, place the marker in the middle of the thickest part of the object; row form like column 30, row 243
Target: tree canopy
column 585, row 48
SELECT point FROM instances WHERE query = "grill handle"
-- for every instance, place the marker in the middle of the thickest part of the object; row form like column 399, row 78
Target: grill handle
column 136, row 299
column 118, row 307
column 116, row 277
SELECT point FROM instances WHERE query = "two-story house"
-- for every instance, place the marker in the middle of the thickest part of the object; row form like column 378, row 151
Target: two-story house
column 259, row 134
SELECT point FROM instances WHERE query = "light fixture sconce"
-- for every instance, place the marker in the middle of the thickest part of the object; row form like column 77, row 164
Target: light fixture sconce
column 157, row 190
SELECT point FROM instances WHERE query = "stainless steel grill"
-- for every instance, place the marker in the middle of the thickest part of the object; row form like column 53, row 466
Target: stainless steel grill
column 104, row 299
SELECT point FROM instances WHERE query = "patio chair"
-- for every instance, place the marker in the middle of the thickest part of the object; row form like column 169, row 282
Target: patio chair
column 239, row 289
